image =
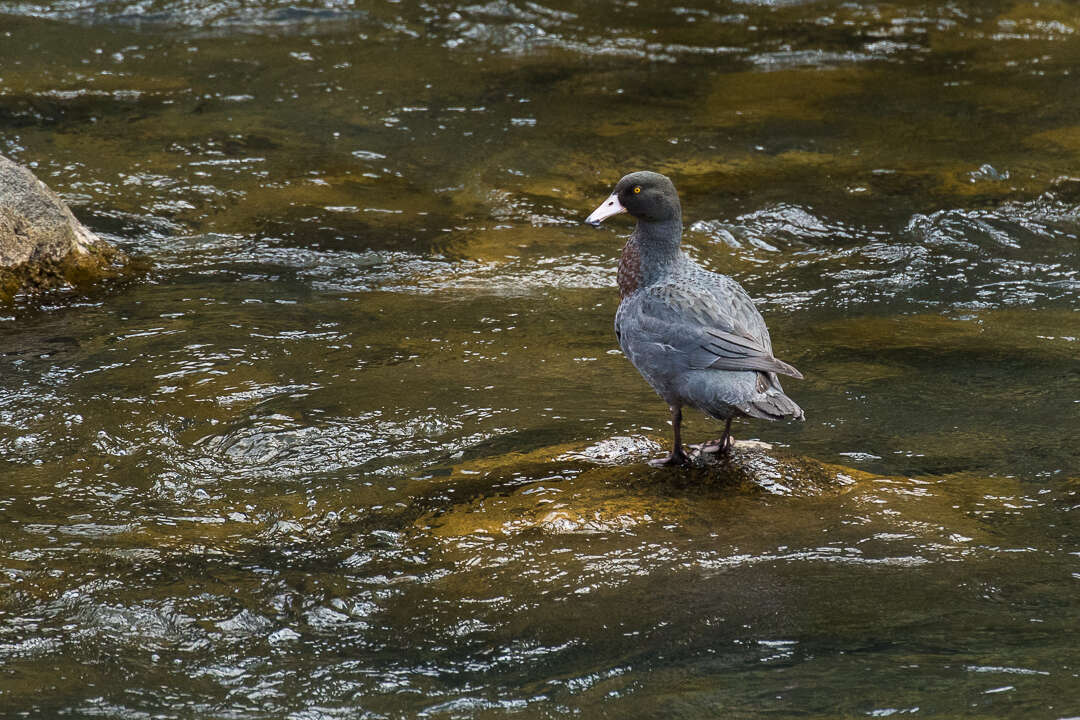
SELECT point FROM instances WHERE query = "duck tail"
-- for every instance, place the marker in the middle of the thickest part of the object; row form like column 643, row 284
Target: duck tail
column 771, row 403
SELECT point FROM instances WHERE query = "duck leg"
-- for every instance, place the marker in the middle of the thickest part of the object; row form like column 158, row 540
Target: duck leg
column 677, row 455
column 724, row 444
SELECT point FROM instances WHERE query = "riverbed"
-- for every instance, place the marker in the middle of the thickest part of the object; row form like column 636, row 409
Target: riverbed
column 358, row 442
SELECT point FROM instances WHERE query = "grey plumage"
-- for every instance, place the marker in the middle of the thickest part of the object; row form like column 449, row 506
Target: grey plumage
column 694, row 335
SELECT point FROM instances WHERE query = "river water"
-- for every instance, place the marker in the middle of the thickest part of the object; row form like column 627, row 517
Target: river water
column 358, row 441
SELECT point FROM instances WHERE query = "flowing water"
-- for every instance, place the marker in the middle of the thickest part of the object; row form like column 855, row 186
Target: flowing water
column 359, row 443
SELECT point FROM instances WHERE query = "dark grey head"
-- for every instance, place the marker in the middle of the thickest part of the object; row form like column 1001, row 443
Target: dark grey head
column 645, row 195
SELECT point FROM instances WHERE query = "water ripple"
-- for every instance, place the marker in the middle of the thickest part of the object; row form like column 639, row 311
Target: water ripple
column 1017, row 254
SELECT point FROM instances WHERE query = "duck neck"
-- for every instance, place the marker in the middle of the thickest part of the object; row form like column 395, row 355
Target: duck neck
column 650, row 252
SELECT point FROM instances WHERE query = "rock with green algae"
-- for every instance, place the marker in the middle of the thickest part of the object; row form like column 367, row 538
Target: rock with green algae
column 42, row 245
column 608, row 487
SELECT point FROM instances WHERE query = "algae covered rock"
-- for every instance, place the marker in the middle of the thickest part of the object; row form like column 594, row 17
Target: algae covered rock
column 607, row 487
column 42, row 245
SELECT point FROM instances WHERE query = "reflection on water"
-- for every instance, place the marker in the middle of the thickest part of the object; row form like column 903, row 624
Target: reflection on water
column 361, row 443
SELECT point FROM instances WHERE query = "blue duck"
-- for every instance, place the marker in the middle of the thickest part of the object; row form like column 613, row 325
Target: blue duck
column 694, row 335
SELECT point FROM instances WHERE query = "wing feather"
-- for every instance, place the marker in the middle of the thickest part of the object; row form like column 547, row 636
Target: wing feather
column 710, row 332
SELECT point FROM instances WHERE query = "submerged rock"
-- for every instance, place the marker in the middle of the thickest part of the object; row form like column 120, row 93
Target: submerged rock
column 42, row 245
column 608, row 487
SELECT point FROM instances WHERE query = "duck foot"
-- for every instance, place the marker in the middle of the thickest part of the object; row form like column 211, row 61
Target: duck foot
column 721, row 446
column 676, row 457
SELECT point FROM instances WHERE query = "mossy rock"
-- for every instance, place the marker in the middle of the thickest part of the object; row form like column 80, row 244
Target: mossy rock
column 42, row 245
column 608, row 487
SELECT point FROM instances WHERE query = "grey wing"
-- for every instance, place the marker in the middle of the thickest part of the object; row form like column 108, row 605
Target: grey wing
column 725, row 333
column 733, row 302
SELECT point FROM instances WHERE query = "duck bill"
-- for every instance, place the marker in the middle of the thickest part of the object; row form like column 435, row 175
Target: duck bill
column 609, row 207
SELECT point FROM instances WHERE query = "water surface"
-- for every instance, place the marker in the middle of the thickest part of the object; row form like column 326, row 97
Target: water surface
column 360, row 444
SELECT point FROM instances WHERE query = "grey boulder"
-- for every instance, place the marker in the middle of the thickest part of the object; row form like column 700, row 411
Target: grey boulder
column 42, row 245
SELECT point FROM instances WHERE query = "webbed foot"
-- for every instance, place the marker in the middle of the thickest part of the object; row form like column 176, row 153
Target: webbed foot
column 723, row 445
column 719, row 446
column 676, row 457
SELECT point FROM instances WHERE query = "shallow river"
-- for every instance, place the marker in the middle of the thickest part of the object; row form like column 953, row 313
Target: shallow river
column 357, row 441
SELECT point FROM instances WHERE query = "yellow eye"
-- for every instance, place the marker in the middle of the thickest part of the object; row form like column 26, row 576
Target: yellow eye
column 637, row 189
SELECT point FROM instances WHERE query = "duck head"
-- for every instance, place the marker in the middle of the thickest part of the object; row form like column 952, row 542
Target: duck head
column 647, row 196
